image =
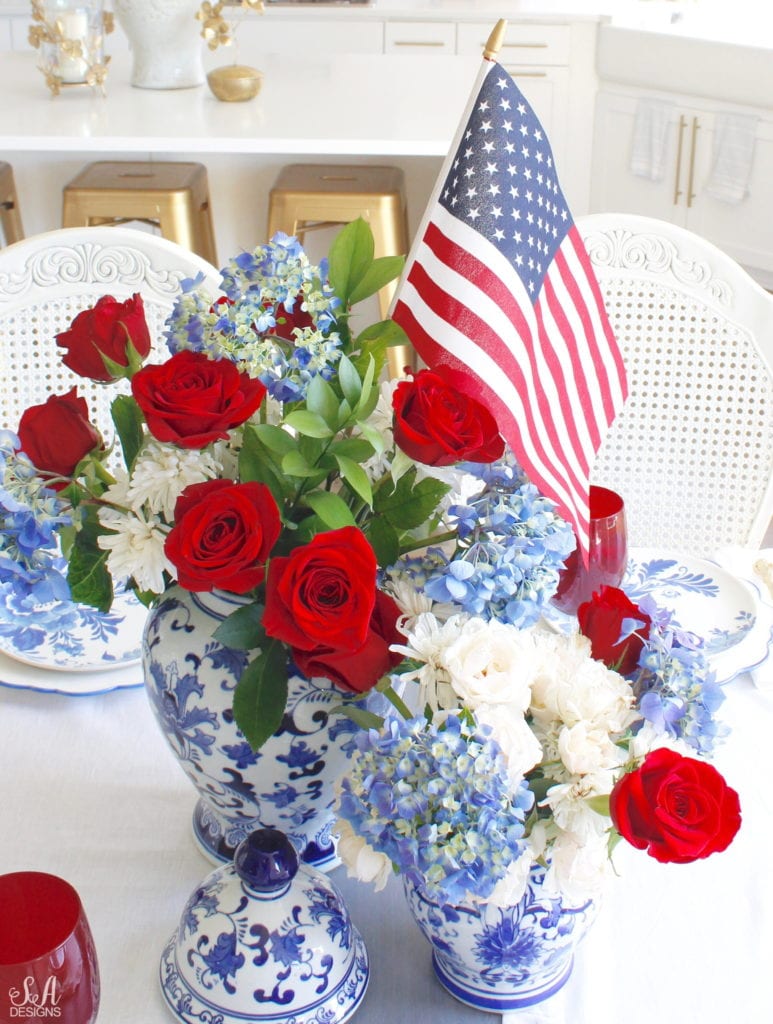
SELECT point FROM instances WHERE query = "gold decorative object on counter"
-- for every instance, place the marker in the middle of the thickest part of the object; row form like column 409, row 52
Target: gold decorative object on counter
column 70, row 36
column 235, row 82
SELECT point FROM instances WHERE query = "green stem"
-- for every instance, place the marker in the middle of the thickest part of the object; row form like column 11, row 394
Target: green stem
column 425, row 542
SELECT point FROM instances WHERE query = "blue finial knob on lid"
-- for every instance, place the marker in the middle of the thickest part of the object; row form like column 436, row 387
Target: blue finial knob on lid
column 266, row 860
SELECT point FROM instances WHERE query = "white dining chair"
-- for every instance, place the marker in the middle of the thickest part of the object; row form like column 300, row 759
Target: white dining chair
column 47, row 279
column 692, row 451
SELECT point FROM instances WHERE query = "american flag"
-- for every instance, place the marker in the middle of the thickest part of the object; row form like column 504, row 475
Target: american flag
column 499, row 290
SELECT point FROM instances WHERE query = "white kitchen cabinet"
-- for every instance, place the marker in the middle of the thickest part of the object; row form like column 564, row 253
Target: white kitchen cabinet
column 742, row 229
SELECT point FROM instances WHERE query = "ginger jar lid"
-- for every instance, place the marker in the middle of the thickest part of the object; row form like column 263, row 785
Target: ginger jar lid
column 265, row 939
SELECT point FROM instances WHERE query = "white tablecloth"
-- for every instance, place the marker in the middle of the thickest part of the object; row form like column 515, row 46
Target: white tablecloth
column 90, row 791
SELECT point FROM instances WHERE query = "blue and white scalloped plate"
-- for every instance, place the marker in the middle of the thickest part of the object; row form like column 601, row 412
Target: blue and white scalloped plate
column 71, row 640
column 729, row 613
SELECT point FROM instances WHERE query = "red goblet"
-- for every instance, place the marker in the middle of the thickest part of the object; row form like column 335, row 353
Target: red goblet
column 607, row 556
column 48, row 965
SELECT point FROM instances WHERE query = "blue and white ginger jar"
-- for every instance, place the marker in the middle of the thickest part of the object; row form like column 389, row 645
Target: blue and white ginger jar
column 265, row 939
column 502, row 958
column 288, row 784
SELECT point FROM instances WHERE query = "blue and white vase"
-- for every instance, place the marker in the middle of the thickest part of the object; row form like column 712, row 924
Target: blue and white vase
column 288, row 784
column 265, row 939
column 502, row 958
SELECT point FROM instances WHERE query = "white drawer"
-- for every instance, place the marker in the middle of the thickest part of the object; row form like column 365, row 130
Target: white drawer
column 303, row 38
column 524, row 43
column 419, row 37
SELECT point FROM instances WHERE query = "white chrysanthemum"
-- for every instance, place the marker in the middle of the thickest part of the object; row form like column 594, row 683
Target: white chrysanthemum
column 360, row 859
column 491, row 662
column 427, row 643
column 381, row 421
column 569, row 803
column 584, row 749
column 650, row 738
column 136, row 548
column 162, row 472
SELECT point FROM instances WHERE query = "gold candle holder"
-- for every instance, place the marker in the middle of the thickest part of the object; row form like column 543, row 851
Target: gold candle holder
column 69, row 35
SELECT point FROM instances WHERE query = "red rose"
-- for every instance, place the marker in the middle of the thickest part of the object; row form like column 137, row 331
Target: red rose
column 438, row 425
column 223, row 534
column 361, row 669
column 322, row 594
column 192, row 400
column 676, row 808
column 601, row 620
column 56, row 435
column 106, row 329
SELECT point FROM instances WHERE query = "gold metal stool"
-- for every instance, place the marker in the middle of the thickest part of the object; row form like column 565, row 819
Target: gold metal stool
column 10, row 217
column 307, row 197
column 174, row 197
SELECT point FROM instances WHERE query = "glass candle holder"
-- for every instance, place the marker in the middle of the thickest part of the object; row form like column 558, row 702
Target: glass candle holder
column 70, row 35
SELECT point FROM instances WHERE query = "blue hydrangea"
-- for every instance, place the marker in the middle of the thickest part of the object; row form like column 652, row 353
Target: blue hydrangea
column 31, row 517
column 436, row 799
column 512, row 546
column 675, row 688
column 259, row 289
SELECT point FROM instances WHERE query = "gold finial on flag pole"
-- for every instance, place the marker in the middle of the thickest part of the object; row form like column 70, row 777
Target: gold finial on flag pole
column 495, row 40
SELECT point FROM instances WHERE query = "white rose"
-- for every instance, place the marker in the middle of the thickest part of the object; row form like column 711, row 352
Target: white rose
column 584, row 749
column 361, row 860
column 491, row 663
column 579, row 869
column 511, row 731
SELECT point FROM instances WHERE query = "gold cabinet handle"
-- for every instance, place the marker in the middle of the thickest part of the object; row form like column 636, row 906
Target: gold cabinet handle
column 416, row 42
column 524, row 46
column 691, row 172
column 678, row 178
column 518, row 72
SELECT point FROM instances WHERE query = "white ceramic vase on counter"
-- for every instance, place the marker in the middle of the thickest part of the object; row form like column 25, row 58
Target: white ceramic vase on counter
column 165, row 41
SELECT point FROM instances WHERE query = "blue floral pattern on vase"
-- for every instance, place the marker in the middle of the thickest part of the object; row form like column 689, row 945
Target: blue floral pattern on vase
column 502, row 958
column 288, row 784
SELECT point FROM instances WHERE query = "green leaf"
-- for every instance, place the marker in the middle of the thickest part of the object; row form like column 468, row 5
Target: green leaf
column 384, row 540
column 243, row 629
column 260, row 696
column 310, row 424
column 374, row 439
column 409, row 505
column 350, row 256
column 379, row 273
column 322, row 400
column 331, row 509
column 599, row 804
column 257, row 463
column 401, row 463
column 275, row 439
column 365, row 719
column 356, row 478
column 356, row 448
column 90, row 582
column 294, row 464
column 349, row 379
column 128, row 421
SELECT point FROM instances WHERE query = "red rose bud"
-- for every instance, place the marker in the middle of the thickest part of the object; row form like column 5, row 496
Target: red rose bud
column 604, row 618
column 361, row 669
column 323, row 593
column 105, row 330
column 223, row 535
column 192, row 400
column 438, row 425
column 55, row 436
column 676, row 808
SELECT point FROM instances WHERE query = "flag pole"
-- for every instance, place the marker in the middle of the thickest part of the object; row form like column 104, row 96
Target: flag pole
column 495, row 40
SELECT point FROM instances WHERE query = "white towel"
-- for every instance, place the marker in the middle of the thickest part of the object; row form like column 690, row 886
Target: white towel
column 650, row 134
column 732, row 156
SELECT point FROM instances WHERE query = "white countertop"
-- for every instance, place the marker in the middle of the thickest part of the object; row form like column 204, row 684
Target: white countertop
column 392, row 104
